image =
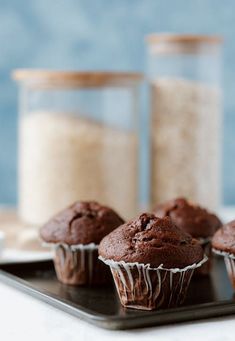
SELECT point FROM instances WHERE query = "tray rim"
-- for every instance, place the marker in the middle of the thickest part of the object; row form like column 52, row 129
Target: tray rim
column 156, row 318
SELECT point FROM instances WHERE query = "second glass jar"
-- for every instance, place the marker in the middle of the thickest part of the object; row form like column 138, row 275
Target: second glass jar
column 186, row 120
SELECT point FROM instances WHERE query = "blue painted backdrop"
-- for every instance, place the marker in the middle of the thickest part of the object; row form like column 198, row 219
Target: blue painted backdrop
column 101, row 34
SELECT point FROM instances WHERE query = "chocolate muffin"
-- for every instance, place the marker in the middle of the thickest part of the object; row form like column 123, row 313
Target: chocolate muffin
column 223, row 243
column 195, row 220
column 152, row 261
column 75, row 234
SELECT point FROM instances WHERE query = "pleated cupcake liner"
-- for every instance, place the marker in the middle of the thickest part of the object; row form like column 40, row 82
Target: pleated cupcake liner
column 140, row 286
column 78, row 264
column 229, row 260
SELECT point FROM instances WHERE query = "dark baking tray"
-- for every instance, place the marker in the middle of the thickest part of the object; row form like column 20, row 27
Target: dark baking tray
column 207, row 297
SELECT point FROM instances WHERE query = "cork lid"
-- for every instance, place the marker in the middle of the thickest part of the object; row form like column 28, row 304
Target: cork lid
column 49, row 78
column 183, row 43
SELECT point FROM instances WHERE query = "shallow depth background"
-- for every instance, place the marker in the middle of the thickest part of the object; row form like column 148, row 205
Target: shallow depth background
column 101, row 34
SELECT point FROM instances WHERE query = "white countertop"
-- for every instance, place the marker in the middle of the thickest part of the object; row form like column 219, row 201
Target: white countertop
column 24, row 318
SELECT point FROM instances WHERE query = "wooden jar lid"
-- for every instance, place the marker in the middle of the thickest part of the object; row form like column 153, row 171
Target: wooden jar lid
column 183, row 43
column 184, row 38
column 76, row 78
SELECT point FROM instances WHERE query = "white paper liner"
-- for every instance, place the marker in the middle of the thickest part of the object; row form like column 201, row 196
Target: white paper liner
column 152, row 296
column 79, row 258
column 91, row 246
column 223, row 253
column 229, row 260
column 114, row 264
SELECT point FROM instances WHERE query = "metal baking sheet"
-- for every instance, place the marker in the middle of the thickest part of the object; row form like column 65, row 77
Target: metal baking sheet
column 208, row 297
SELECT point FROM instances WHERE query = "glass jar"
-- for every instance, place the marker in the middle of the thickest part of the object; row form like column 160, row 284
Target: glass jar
column 78, row 140
column 184, row 76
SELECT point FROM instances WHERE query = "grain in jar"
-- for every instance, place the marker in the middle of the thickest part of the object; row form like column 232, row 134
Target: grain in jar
column 78, row 140
column 186, row 118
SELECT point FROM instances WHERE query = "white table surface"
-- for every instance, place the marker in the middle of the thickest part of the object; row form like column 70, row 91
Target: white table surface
column 25, row 318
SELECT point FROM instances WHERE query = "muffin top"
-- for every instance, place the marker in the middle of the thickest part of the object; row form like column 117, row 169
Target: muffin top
column 81, row 223
column 151, row 240
column 189, row 217
column 224, row 238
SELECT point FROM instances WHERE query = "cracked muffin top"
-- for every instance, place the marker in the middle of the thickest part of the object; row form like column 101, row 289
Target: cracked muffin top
column 224, row 238
column 189, row 217
column 151, row 240
column 81, row 223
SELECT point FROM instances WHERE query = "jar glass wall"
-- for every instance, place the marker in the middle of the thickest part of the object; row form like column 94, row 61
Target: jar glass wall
column 78, row 140
column 184, row 77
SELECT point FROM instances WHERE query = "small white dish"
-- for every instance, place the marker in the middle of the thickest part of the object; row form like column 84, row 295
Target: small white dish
column 2, row 242
column 20, row 256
